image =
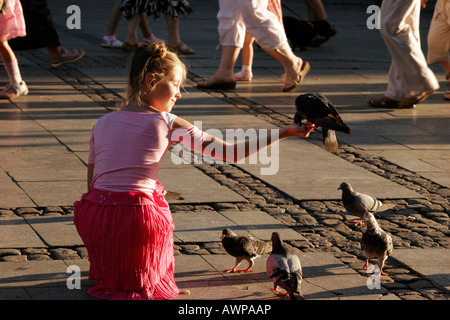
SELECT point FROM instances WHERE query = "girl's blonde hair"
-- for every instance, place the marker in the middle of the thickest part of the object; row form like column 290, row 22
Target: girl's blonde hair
column 155, row 58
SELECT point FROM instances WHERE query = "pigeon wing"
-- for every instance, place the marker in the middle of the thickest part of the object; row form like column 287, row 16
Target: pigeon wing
column 367, row 203
column 253, row 247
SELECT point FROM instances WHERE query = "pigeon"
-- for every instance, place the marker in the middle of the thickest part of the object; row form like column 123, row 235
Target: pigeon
column 375, row 242
column 243, row 248
column 358, row 203
column 318, row 111
column 284, row 268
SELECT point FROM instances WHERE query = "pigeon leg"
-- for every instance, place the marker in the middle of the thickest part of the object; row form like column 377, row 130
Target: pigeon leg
column 381, row 265
column 358, row 222
column 235, row 266
column 275, row 289
column 250, row 265
column 309, row 125
column 366, row 265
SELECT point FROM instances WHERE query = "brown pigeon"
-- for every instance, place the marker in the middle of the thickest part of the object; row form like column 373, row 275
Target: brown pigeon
column 243, row 248
column 284, row 268
column 375, row 242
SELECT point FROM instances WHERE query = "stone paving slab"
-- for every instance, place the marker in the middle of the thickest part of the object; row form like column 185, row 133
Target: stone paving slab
column 307, row 172
column 12, row 196
column 17, row 233
column 56, row 231
column 432, row 264
column 207, row 226
column 195, row 187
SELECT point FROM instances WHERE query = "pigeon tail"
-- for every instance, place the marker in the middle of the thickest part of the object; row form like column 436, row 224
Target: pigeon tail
column 296, row 296
column 330, row 143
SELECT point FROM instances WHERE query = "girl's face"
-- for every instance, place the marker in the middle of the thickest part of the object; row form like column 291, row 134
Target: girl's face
column 165, row 92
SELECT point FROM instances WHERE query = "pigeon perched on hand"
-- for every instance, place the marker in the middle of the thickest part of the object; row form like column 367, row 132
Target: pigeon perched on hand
column 284, row 268
column 358, row 203
column 318, row 111
column 243, row 248
column 375, row 242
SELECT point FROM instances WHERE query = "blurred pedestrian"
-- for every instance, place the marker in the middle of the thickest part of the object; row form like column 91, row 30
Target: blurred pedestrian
column 439, row 40
column 235, row 18
column 247, row 52
column 410, row 79
column 12, row 25
column 171, row 9
column 110, row 40
column 41, row 33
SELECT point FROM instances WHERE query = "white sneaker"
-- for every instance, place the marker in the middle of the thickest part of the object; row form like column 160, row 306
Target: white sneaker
column 108, row 42
column 14, row 90
column 246, row 75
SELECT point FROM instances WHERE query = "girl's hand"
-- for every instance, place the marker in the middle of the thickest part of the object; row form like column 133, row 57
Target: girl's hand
column 294, row 130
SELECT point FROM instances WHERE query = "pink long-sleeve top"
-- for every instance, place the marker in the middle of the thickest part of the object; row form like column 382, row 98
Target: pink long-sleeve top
column 127, row 148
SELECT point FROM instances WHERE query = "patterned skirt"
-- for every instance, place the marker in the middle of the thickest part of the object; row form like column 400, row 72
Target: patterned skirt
column 129, row 239
column 155, row 8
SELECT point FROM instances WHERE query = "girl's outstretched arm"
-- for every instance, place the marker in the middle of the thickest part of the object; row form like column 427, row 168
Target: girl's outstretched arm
column 217, row 148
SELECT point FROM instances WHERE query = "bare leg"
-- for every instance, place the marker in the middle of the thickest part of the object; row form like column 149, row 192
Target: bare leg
column 316, row 10
column 225, row 72
column 132, row 36
column 114, row 18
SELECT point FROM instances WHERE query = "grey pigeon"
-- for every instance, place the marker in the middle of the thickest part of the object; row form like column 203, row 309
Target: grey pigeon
column 243, row 248
column 284, row 268
column 375, row 242
column 358, row 203
column 318, row 111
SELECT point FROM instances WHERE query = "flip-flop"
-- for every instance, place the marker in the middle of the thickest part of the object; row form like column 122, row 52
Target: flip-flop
column 384, row 102
column 182, row 48
column 130, row 47
column 301, row 75
column 408, row 102
column 446, row 95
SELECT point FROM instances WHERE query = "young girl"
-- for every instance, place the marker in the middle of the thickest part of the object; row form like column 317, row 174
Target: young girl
column 123, row 219
column 12, row 25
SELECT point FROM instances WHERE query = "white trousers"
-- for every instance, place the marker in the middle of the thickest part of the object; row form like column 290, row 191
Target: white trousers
column 409, row 75
column 439, row 33
column 238, row 16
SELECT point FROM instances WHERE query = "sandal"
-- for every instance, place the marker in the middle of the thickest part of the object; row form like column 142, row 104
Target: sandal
column 446, row 95
column 13, row 90
column 383, row 102
column 182, row 48
column 130, row 47
column 410, row 102
column 67, row 56
column 301, row 75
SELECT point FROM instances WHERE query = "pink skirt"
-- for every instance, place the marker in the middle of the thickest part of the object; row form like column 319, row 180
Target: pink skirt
column 129, row 239
column 12, row 22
